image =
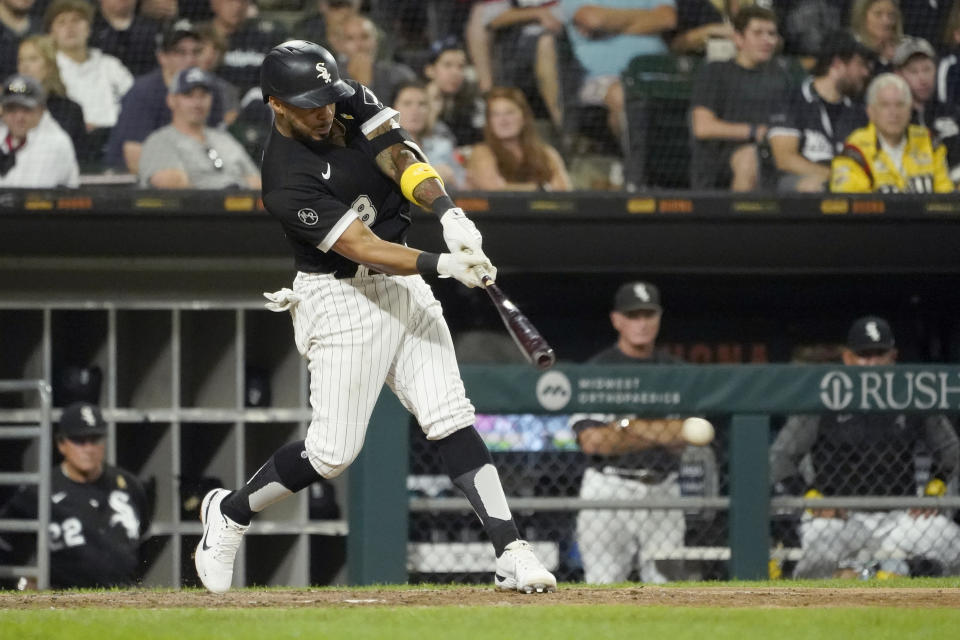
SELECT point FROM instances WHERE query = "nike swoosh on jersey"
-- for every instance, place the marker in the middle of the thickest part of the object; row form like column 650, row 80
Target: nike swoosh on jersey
column 58, row 497
column 326, row 174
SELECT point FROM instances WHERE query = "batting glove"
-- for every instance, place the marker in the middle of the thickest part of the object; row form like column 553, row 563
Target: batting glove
column 459, row 232
column 462, row 266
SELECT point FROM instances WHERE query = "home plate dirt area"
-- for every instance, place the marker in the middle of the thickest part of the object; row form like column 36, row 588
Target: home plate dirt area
column 642, row 596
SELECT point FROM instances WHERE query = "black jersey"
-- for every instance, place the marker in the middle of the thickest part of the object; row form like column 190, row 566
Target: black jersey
column 316, row 189
column 820, row 126
column 246, row 49
column 95, row 528
column 943, row 120
column 874, row 454
column 657, row 459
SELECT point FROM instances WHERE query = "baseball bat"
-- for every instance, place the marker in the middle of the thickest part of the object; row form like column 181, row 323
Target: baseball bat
column 531, row 344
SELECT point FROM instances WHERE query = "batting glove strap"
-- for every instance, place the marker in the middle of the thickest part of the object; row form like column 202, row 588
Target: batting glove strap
column 461, row 266
column 460, row 233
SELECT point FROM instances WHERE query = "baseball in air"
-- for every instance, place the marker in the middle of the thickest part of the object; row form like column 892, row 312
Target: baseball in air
column 697, row 431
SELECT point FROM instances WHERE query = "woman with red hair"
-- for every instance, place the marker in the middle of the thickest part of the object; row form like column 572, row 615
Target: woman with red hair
column 513, row 156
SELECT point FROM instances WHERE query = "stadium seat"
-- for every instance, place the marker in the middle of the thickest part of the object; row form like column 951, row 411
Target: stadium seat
column 657, row 91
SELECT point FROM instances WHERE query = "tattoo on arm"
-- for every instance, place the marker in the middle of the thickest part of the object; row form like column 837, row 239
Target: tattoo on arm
column 428, row 191
column 395, row 159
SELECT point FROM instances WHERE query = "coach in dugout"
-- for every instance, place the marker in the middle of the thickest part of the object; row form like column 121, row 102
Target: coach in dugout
column 870, row 454
column 890, row 155
column 98, row 512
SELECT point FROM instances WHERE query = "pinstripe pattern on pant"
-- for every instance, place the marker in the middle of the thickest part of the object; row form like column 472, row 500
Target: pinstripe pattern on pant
column 359, row 333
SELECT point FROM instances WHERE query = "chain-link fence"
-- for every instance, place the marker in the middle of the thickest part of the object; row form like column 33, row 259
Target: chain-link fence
column 877, row 476
column 858, row 456
column 547, row 476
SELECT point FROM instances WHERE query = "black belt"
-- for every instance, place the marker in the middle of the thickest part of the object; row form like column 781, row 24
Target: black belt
column 350, row 271
column 646, row 476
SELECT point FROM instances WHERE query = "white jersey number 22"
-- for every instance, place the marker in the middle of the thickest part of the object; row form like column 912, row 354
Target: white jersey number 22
column 68, row 533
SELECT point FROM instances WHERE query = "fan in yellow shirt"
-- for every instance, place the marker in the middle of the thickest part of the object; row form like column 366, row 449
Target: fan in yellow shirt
column 890, row 155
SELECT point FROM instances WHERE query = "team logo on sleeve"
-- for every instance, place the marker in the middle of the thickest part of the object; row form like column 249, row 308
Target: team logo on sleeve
column 323, row 72
column 308, row 216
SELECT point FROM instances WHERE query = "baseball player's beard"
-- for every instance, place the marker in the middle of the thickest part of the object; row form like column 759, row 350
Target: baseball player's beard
column 303, row 133
column 468, row 463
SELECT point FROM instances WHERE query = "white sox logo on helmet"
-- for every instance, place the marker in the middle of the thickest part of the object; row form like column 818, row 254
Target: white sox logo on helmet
column 323, row 72
column 308, row 216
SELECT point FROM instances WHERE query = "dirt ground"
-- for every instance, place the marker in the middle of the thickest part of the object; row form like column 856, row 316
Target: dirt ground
column 474, row 596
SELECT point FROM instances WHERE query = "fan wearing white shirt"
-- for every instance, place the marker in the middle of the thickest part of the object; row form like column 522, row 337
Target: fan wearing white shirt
column 95, row 80
column 34, row 150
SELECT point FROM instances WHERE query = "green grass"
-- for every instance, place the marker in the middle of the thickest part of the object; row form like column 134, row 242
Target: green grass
column 896, row 583
column 501, row 623
column 892, row 583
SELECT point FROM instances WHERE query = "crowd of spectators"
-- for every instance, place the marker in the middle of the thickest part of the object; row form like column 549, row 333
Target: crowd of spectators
column 776, row 86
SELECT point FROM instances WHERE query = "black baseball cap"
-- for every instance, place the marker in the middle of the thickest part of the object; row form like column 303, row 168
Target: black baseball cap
column 174, row 32
column 634, row 296
column 190, row 78
column 870, row 333
column 23, row 90
column 82, row 420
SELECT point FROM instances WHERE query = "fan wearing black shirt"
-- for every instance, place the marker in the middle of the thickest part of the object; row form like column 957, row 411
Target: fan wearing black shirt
column 812, row 124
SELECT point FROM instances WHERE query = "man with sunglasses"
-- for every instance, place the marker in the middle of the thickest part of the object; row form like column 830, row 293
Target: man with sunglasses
column 187, row 153
column 98, row 512
column 144, row 108
column 870, row 454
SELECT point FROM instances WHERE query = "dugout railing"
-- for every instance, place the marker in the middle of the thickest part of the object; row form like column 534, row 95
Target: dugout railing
column 41, row 435
column 750, row 394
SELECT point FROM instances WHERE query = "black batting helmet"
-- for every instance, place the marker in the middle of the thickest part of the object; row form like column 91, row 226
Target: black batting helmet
column 303, row 74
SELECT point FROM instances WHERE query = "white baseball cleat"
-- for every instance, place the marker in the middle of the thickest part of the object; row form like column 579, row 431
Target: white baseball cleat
column 519, row 570
column 219, row 543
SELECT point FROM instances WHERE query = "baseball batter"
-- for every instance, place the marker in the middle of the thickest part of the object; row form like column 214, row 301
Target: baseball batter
column 339, row 175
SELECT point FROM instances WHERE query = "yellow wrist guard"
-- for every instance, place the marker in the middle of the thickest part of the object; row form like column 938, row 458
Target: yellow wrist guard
column 413, row 175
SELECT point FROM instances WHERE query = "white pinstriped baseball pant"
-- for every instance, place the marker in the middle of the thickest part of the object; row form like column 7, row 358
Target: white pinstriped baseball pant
column 360, row 332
